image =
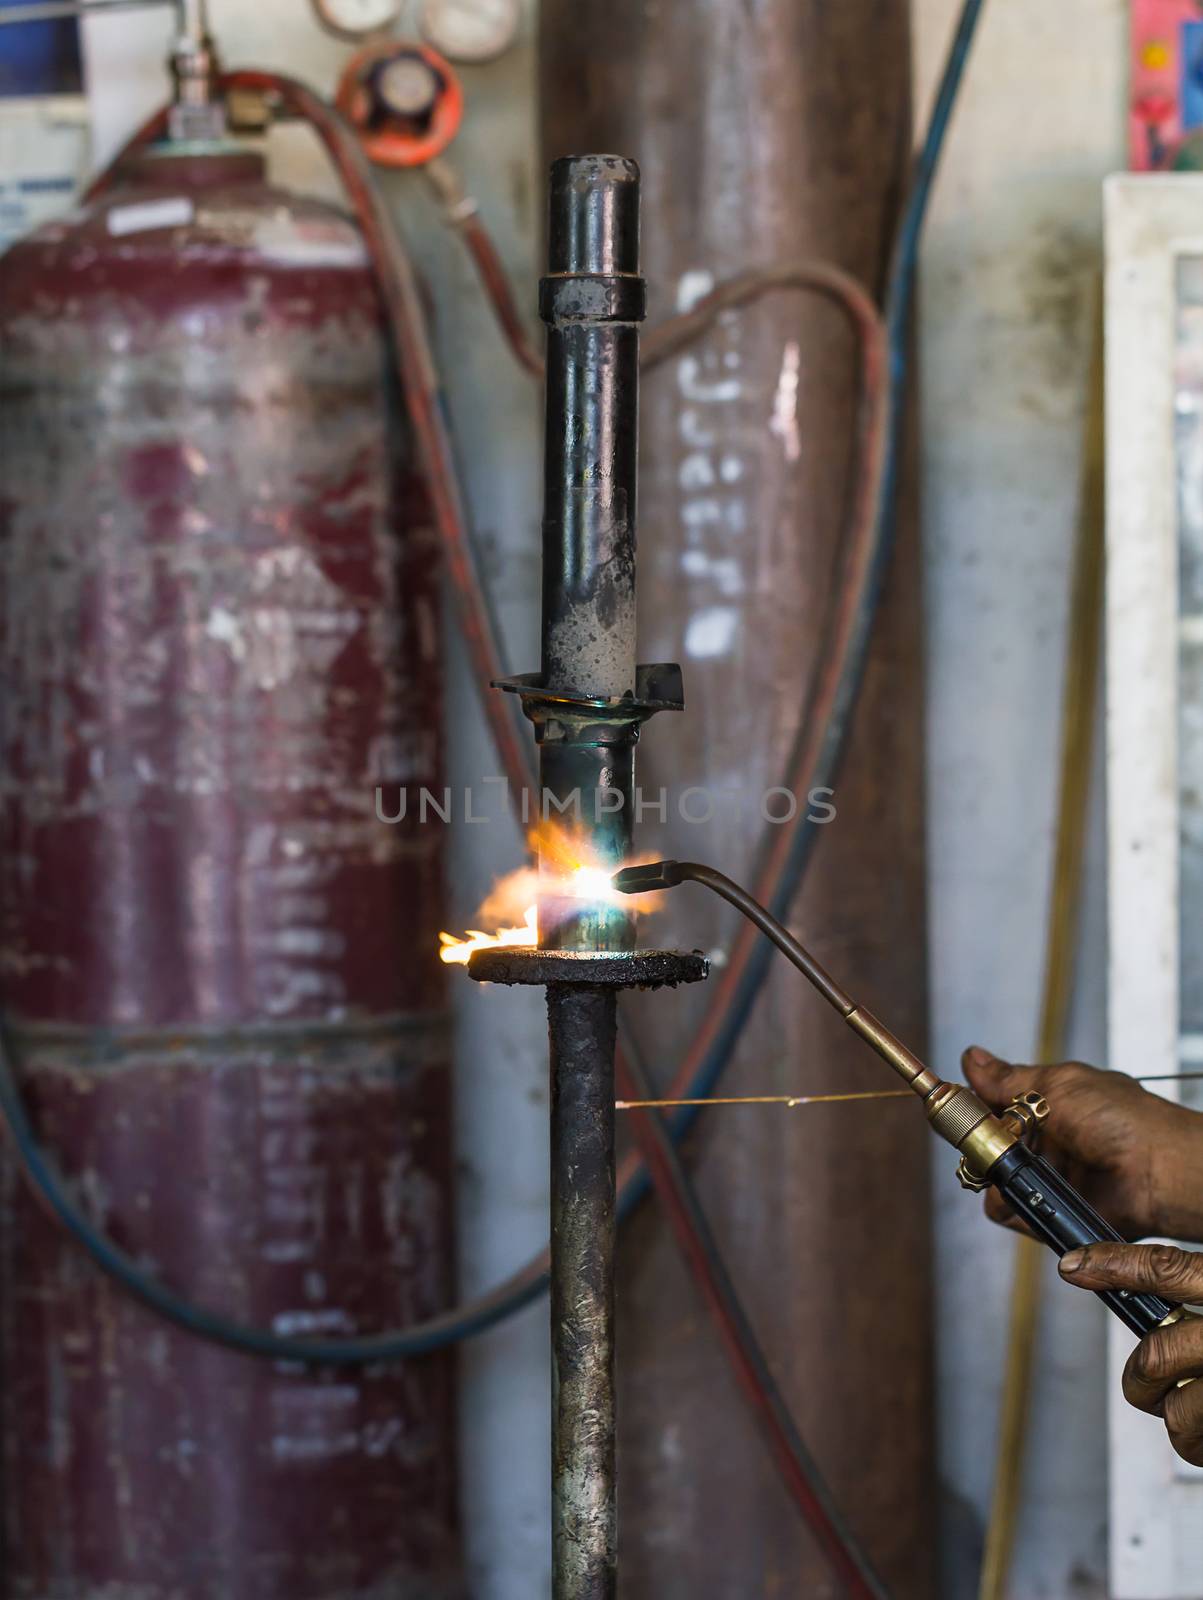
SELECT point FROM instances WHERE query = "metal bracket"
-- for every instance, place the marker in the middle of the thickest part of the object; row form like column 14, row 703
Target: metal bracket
column 567, row 717
column 659, row 686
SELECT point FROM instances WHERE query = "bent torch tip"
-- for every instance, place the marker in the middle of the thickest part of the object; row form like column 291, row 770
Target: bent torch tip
column 648, row 877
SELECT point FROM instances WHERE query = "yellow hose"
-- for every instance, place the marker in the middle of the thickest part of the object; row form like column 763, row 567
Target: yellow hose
column 1077, row 741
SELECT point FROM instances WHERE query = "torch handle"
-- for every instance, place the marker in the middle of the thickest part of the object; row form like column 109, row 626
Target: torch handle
column 1057, row 1214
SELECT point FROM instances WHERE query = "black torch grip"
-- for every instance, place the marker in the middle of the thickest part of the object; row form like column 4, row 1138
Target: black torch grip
column 1057, row 1213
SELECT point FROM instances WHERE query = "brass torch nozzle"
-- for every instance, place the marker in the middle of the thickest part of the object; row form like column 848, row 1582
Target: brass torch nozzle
column 954, row 1111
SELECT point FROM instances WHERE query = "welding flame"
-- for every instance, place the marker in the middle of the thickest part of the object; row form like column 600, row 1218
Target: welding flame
column 512, row 907
column 461, row 950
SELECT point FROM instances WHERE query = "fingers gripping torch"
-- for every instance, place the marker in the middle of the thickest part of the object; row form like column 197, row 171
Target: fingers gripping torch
column 995, row 1151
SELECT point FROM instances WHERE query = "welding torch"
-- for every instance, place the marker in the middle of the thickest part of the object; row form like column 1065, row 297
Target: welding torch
column 996, row 1151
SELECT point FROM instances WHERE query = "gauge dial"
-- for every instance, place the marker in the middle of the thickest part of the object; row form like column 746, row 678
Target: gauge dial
column 408, row 86
column 471, row 30
column 357, row 19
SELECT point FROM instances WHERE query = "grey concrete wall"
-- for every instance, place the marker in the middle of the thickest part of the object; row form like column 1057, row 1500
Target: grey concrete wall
column 1014, row 240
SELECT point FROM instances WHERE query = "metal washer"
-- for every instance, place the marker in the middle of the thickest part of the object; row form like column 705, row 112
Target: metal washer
column 615, row 969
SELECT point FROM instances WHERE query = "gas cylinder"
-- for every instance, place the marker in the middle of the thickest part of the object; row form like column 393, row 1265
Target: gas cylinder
column 219, row 633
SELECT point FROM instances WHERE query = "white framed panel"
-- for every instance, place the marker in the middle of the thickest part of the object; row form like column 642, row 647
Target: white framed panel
column 1154, row 235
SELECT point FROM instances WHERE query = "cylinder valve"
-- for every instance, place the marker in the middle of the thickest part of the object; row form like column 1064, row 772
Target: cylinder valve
column 404, row 100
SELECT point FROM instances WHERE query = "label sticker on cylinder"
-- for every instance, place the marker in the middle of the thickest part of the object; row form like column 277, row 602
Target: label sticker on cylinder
column 147, row 214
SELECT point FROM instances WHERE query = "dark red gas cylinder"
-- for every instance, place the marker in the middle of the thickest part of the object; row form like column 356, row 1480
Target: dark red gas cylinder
column 219, row 632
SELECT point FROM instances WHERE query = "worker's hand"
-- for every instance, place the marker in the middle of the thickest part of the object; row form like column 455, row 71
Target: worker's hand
column 1137, row 1158
column 1165, row 1356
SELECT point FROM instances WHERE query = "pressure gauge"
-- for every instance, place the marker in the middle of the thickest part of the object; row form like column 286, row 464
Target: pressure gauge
column 471, row 30
column 357, row 19
column 408, row 85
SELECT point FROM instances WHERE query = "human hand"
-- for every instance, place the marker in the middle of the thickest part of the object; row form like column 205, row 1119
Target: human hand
column 1137, row 1158
column 1166, row 1356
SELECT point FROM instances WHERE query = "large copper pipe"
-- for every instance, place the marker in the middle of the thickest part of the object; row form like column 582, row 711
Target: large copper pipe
column 766, row 133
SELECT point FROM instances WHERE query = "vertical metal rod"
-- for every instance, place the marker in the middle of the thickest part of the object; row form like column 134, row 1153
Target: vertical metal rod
column 592, row 301
column 581, row 1029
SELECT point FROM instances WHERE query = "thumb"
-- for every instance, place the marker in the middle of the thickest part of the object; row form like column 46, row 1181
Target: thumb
column 996, row 1080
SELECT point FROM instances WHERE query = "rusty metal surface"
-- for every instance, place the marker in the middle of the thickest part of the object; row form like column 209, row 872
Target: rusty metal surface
column 286, row 1181
column 592, row 435
column 769, row 132
column 218, row 633
column 581, row 1026
column 592, row 301
column 635, row 969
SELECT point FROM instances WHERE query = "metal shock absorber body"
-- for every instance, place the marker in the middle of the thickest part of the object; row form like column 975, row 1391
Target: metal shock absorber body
column 587, row 704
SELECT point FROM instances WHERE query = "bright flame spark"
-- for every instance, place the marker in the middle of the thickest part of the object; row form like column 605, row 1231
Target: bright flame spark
column 589, row 883
column 460, row 950
column 512, row 906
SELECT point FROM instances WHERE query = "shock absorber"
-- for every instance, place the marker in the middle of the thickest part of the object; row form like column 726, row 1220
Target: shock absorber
column 995, row 1150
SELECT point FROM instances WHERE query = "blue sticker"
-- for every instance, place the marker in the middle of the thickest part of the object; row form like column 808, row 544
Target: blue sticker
column 1192, row 75
column 39, row 57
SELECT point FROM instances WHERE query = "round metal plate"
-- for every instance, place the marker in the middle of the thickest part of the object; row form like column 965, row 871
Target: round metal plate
column 620, row 969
